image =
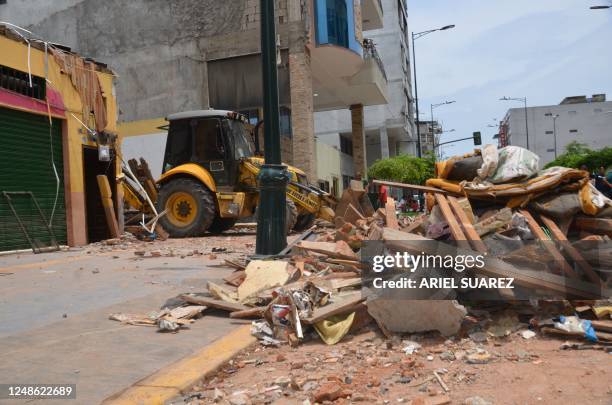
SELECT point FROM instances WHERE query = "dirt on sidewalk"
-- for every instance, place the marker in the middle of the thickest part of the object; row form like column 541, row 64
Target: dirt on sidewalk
column 368, row 368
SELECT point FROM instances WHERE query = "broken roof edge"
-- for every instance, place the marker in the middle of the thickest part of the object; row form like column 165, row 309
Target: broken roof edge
column 14, row 33
column 198, row 114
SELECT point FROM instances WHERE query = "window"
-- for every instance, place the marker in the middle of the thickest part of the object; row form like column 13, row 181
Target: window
column 346, row 145
column 178, row 146
column 208, row 142
column 337, row 22
column 324, row 185
column 19, row 82
column 549, row 132
column 285, row 122
column 242, row 139
column 252, row 115
column 346, row 181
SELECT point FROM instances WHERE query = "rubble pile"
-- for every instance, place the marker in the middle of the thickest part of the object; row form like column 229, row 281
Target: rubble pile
column 486, row 202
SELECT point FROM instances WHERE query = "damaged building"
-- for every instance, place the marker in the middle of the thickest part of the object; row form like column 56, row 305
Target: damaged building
column 49, row 193
column 180, row 56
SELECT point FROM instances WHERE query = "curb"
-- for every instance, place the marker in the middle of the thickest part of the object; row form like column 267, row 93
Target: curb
column 178, row 377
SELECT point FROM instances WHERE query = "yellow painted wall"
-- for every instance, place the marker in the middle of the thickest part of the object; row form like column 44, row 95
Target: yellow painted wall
column 142, row 127
column 328, row 165
column 14, row 54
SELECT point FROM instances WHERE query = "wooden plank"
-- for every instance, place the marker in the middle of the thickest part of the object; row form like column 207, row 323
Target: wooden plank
column 416, row 244
column 390, row 215
column 366, row 205
column 493, row 222
column 604, row 325
column 107, row 203
column 571, row 250
column 351, row 263
column 578, row 335
column 213, row 303
column 454, row 226
column 548, row 245
column 473, row 237
column 410, row 186
column 601, row 226
column 343, row 305
column 304, row 236
column 352, row 214
column 338, row 250
column 236, row 278
column 256, row 313
column 234, row 264
column 337, row 283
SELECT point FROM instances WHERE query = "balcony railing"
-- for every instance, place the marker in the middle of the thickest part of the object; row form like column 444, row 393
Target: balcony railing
column 370, row 52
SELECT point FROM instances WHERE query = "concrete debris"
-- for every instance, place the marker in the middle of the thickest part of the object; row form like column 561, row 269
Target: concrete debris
column 262, row 275
column 476, row 401
column 411, row 316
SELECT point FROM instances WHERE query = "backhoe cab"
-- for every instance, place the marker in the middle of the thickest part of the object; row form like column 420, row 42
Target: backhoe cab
column 209, row 177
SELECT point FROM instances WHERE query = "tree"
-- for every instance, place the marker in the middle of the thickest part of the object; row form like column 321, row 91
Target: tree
column 577, row 154
column 403, row 169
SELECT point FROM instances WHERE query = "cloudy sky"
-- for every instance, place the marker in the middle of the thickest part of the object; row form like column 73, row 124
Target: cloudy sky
column 542, row 49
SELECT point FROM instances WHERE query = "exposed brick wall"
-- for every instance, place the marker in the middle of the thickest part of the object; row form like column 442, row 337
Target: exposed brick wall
column 287, row 150
column 359, row 147
column 250, row 18
column 302, row 114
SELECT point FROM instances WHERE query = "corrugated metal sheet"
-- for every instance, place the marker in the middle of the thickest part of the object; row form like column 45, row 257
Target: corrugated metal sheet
column 26, row 147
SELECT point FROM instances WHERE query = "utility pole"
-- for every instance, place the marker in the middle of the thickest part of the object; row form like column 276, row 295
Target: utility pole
column 524, row 100
column 415, row 36
column 554, row 117
column 273, row 177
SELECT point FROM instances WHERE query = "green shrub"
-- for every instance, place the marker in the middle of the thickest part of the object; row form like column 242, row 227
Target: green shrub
column 403, row 169
column 577, row 154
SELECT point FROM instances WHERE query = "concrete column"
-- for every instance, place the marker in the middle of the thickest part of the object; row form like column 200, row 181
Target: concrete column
column 359, row 147
column 384, row 143
column 302, row 114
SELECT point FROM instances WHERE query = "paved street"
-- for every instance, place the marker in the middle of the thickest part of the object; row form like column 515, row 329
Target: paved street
column 54, row 310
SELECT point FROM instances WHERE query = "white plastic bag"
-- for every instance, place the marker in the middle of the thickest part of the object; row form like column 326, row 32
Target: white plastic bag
column 515, row 164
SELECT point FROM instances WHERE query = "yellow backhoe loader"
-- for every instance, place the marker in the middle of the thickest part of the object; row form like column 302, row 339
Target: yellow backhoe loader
column 209, row 177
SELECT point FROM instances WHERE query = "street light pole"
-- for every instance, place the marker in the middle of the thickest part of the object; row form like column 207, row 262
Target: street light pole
column 273, row 177
column 432, row 106
column 416, row 99
column 524, row 100
column 416, row 36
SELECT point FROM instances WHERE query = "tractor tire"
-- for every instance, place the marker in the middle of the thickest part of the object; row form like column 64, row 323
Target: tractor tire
column 221, row 225
column 191, row 208
column 291, row 215
column 304, row 221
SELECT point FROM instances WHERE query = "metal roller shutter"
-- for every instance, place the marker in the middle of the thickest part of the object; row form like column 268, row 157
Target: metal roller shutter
column 26, row 144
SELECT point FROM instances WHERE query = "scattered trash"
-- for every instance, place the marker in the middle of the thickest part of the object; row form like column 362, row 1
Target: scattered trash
column 528, row 334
